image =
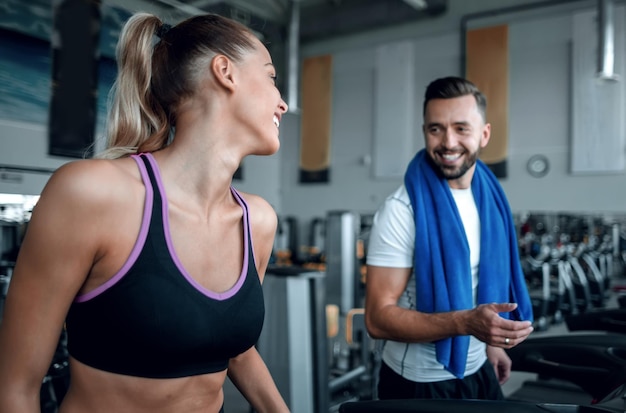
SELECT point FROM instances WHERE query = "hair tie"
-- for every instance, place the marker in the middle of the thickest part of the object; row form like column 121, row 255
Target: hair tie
column 162, row 30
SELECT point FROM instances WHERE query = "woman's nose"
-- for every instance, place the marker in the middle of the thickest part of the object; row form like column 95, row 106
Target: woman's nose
column 283, row 106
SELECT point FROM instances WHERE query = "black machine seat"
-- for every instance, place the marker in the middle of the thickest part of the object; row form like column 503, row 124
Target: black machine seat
column 594, row 362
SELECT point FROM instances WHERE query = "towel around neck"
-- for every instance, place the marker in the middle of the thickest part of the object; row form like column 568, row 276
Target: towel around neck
column 441, row 257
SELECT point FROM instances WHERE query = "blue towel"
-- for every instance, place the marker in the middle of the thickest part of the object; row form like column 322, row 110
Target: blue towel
column 442, row 263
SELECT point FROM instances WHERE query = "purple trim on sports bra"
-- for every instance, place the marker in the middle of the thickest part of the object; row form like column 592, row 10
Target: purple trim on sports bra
column 141, row 239
column 246, row 220
column 170, row 246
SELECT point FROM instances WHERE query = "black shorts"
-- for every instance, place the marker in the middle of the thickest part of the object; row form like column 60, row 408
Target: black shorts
column 482, row 385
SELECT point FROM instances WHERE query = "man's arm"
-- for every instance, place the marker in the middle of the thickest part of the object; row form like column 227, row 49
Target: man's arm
column 384, row 319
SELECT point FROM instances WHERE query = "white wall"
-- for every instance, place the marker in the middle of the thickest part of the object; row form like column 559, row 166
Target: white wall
column 539, row 117
column 539, row 120
column 261, row 176
column 25, row 145
column 540, row 123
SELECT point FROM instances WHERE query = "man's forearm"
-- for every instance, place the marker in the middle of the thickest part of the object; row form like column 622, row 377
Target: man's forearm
column 404, row 325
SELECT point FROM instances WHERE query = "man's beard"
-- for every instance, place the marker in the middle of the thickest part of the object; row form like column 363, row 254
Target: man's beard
column 455, row 172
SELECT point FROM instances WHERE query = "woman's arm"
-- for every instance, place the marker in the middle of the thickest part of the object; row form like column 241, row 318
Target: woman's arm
column 250, row 375
column 247, row 371
column 54, row 260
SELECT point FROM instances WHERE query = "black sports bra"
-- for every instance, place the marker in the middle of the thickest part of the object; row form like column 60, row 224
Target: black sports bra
column 152, row 319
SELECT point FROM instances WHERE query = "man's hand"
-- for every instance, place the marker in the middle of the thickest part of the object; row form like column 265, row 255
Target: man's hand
column 501, row 363
column 485, row 324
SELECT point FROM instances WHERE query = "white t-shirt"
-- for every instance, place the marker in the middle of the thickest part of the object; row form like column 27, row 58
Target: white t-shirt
column 391, row 244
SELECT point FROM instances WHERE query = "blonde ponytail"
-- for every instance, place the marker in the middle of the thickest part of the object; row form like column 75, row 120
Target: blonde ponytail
column 136, row 121
column 154, row 77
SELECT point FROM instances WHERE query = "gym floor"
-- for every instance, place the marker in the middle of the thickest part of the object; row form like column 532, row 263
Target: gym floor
column 235, row 403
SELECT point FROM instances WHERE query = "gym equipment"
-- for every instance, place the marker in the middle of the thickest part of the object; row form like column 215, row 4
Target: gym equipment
column 342, row 266
column 293, row 342
column 610, row 320
column 316, row 240
column 57, row 380
column 353, row 362
column 613, row 403
column 537, row 272
column 285, row 249
column 594, row 363
column 568, row 271
column 6, row 272
column 354, row 357
column 556, row 283
column 565, row 278
column 598, row 282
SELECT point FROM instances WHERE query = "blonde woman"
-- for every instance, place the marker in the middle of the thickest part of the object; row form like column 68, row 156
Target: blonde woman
column 148, row 255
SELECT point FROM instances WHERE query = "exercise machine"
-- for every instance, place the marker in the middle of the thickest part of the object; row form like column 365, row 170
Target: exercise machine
column 614, row 403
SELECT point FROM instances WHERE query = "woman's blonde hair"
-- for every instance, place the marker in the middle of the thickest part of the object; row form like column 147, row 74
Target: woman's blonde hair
column 158, row 67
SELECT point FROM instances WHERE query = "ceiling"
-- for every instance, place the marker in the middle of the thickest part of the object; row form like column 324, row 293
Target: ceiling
column 284, row 25
column 315, row 19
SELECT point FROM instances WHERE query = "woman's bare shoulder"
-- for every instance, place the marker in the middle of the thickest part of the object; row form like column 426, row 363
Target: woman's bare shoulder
column 262, row 214
column 92, row 181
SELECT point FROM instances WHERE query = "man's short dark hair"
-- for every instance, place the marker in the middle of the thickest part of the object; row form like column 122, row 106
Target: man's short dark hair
column 454, row 87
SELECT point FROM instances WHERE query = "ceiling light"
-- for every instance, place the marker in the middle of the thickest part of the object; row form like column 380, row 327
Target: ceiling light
column 417, row 4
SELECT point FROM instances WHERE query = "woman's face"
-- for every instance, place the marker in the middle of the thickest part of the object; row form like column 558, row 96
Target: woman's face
column 261, row 106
